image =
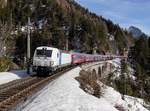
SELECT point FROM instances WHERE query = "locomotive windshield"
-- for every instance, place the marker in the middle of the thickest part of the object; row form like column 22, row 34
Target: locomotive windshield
column 43, row 52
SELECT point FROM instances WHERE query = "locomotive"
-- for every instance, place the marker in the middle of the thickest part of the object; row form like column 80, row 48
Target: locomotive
column 49, row 59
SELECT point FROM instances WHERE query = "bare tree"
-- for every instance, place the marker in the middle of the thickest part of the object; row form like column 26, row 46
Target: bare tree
column 5, row 36
column 3, row 3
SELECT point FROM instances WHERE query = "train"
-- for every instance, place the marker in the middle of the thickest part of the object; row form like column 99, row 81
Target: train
column 48, row 59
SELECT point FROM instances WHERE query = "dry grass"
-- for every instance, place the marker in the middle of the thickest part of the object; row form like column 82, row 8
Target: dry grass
column 5, row 64
column 88, row 82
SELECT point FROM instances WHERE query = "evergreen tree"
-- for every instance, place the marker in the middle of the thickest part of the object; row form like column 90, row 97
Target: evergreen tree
column 124, row 67
column 138, row 72
column 61, row 41
column 141, row 47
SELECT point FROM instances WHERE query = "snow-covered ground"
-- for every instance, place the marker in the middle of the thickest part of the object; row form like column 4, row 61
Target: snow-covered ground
column 65, row 94
column 129, row 103
column 116, row 62
column 13, row 75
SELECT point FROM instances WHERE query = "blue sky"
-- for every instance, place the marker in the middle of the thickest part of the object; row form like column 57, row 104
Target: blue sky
column 122, row 12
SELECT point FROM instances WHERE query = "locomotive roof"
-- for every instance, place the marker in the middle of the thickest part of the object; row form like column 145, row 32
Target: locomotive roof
column 49, row 48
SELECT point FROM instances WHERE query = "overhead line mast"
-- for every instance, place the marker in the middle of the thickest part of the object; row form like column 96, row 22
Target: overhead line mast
column 28, row 47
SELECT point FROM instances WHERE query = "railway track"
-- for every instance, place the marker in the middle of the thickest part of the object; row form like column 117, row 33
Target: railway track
column 15, row 92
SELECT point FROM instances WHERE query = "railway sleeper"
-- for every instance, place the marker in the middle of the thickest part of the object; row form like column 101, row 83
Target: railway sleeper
column 3, row 109
column 4, row 94
column 20, row 88
column 12, row 98
column 1, row 100
column 15, row 98
column 4, row 97
column 13, row 84
column 11, row 92
column 6, row 107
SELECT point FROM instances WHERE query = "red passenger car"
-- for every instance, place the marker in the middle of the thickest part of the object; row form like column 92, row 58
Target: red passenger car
column 77, row 58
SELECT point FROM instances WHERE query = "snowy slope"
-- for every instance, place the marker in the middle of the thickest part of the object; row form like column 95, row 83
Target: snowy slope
column 129, row 103
column 64, row 94
column 10, row 76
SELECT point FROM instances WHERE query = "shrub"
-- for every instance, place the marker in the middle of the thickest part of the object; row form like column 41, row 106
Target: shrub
column 5, row 64
column 129, row 90
column 88, row 82
column 119, row 108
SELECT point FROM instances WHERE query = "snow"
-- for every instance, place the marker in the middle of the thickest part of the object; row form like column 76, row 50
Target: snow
column 64, row 94
column 13, row 75
column 116, row 62
column 129, row 104
column 136, row 103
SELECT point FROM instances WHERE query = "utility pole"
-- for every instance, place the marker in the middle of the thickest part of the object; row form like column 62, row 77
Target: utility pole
column 28, row 47
column 67, row 42
column 66, row 28
column 66, row 31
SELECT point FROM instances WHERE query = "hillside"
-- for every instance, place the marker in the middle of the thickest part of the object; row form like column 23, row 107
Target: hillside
column 53, row 21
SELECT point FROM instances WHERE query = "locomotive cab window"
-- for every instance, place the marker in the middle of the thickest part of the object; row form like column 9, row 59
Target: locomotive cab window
column 43, row 52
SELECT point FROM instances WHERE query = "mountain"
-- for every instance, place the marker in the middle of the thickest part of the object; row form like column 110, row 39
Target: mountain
column 136, row 32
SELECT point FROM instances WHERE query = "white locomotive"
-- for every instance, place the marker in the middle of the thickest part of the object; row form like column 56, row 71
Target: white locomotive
column 49, row 59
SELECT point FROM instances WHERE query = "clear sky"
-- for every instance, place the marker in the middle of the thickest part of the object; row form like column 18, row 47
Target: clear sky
column 122, row 12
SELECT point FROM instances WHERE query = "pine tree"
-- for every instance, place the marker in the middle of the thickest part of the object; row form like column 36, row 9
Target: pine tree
column 138, row 72
column 141, row 47
column 61, row 41
column 124, row 67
